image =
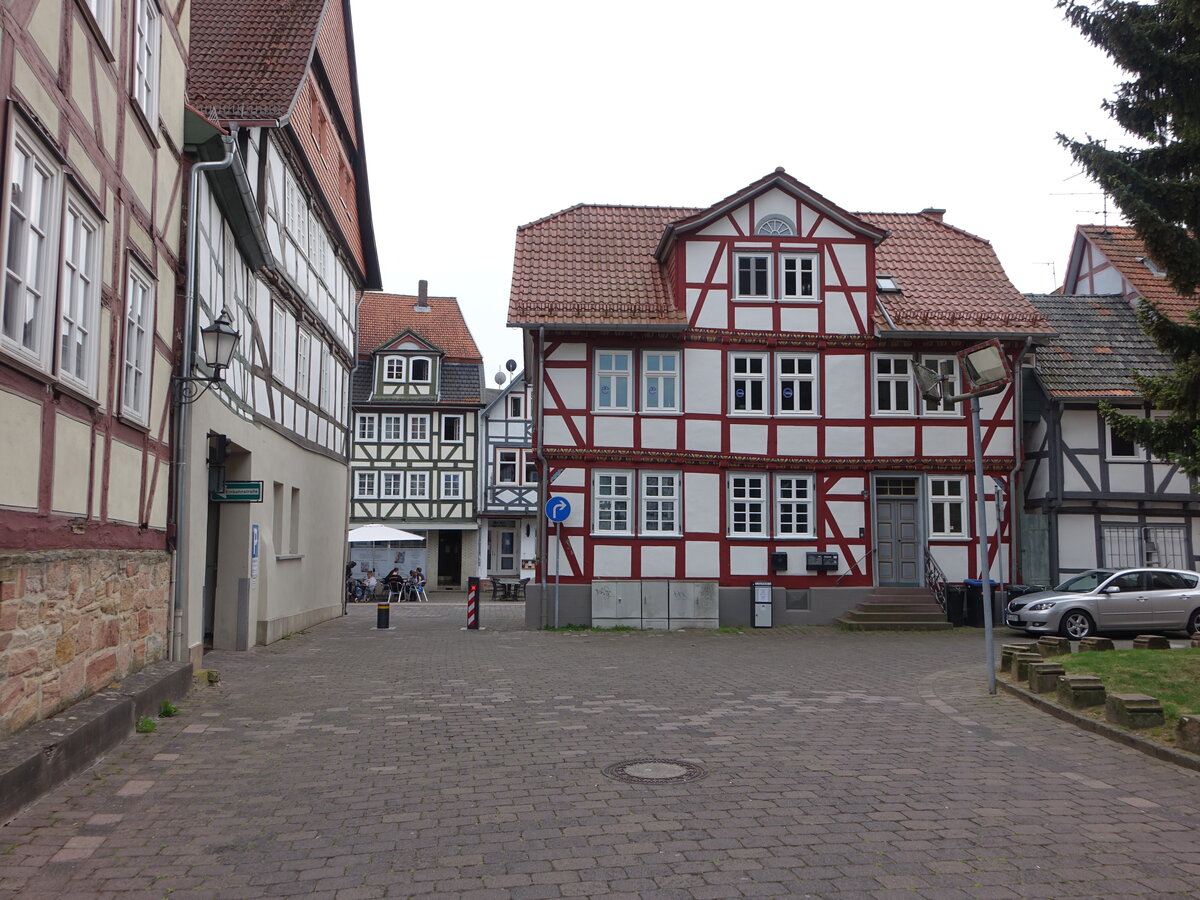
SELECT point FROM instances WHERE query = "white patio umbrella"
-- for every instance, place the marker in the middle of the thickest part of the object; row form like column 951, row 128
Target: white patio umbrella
column 365, row 533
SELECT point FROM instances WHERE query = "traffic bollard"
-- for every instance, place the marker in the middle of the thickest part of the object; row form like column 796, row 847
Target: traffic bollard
column 383, row 614
column 472, row 602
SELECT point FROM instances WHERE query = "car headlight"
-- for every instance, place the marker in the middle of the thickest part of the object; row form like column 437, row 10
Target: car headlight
column 1042, row 606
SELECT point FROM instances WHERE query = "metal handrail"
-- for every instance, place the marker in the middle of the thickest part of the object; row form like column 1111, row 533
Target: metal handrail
column 935, row 578
column 854, row 565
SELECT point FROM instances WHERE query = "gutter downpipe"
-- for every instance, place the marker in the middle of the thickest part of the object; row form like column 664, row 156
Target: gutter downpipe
column 543, row 482
column 183, row 418
column 1014, row 545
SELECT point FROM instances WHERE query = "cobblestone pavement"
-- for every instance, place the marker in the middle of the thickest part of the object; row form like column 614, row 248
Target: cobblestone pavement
column 348, row 762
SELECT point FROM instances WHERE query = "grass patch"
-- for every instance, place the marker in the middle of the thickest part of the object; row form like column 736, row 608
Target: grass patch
column 293, row 634
column 1171, row 676
column 146, row 725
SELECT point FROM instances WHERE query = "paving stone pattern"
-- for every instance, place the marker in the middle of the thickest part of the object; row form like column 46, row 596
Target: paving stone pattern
column 428, row 761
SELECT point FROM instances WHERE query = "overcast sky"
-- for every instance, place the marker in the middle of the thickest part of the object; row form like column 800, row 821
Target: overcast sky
column 482, row 116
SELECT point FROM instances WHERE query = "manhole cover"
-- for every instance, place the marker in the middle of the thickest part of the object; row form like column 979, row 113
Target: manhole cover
column 654, row 771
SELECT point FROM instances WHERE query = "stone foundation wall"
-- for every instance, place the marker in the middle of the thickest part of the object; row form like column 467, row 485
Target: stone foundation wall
column 73, row 622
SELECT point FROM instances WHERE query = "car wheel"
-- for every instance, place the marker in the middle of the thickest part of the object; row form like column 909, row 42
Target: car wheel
column 1076, row 624
column 1193, row 622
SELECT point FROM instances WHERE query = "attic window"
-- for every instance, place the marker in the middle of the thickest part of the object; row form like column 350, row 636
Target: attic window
column 886, row 284
column 776, row 225
column 1152, row 266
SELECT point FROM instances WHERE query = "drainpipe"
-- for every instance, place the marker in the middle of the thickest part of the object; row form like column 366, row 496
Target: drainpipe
column 544, row 481
column 1015, row 495
column 183, row 419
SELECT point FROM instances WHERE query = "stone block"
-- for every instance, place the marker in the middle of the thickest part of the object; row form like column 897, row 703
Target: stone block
column 1089, row 644
column 1151, row 642
column 1187, row 733
column 1021, row 663
column 1196, row 640
column 1007, row 651
column 1133, row 710
column 1079, row 691
column 1043, row 677
column 1049, row 645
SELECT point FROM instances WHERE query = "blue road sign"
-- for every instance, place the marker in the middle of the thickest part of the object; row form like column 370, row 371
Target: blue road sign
column 557, row 509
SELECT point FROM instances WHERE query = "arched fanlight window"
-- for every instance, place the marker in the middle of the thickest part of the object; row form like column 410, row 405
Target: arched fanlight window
column 418, row 369
column 776, row 225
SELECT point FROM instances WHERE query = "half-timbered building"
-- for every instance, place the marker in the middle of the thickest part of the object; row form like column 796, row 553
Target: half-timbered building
column 1092, row 498
column 282, row 240
column 91, row 125
column 418, row 393
column 508, row 473
column 726, row 396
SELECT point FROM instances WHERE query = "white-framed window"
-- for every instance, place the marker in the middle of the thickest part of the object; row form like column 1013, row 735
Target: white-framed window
column 747, row 511
column 748, row 384
column 659, row 503
column 392, row 427
column 146, row 42
column 946, row 366
column 278, row 339
column 303, row 350
column 80, row 310
column 139, row 344
column 893, row 385
column 948, row 506
column 295, row 210
column 796, row 384
column 102, row 12
column 418, row 370
column 393, row 485
column 612, row 494
column 452, row 429
column 33, row 207
column 506, row 466
column 516, row 406
column 613, row 372
column 365, row 484
column 418, row 429
column 452, row 486
column 364, row 426
column 798, row 276
column 1122, row 449
column 531, row 466
column 393, row 368
column 418, row 485
column 795, row 511
column 752, row 276
column 326, row 377
column 660, row 381
column 776, row 226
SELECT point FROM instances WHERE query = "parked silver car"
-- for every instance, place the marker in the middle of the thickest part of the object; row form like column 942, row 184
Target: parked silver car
column 1111, row 600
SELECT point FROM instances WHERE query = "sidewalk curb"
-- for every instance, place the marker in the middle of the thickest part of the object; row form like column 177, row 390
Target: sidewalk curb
column 1158, row 751
column 43, row 756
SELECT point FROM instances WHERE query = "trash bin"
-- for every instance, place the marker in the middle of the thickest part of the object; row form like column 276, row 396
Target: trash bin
column 761, row 597
column 973, row 612
column 955, row 597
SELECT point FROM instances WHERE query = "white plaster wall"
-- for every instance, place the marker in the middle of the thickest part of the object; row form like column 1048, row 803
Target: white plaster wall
column 797, row 440
column 72, row 453
column 747, row 560
column 844, row 441
column 853, row 261
column 753, row 318
column 775, row 202
column 702, row 559
column 700, row 256
column 660, row 434
column 701, row 503
column 703, row 435
column 20, row 443
column 556, row 432
column 748, row 438
column 848, row 514
column 799, row 319
column 658, row 562
column 895, row 440
column 838, row 317
column 125, row 482
column 714, row 313
column 702, row 386
column 1124, row 476
column 611, row 562
column 1076, row 543
column 846, row 402
column 830, row 229
column 569, row 478
column 612, row 431
column 955, row 560
column 944, row 440
column 571, row 385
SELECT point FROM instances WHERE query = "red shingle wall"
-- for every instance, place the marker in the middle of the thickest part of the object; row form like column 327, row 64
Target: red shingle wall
column 332, row 44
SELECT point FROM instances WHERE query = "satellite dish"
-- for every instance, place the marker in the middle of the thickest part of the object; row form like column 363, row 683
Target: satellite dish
column 511, row 365
column 499, row 377
column 929, row 382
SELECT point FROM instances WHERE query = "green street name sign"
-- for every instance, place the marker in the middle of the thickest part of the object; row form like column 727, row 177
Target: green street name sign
column 239, row 492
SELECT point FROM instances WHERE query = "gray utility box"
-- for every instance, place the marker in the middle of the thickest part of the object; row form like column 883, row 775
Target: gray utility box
column 762, row 604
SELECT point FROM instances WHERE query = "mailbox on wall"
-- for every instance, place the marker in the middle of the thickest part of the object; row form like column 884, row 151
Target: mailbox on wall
column 822, row 562
column 779, row 562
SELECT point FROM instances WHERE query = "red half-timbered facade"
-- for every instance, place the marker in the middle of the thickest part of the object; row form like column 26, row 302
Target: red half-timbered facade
column 726, row 396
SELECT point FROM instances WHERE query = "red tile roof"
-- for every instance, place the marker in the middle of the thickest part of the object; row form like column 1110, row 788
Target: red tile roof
column 950, row 280
column 1124, row 249
column 248, row 59
column 384, row 316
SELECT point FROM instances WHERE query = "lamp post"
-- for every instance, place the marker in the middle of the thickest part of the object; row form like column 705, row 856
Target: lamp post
column 987, row 372
column 219, row 339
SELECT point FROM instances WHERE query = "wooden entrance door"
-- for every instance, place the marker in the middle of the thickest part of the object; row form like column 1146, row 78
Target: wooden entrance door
column 898, row 531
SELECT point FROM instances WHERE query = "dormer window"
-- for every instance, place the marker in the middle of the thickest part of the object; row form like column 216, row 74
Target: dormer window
column 886, row 284
column 776, row 226
column 776, row 275
column 419, row 370
column 393, row 368
column 1154, row 268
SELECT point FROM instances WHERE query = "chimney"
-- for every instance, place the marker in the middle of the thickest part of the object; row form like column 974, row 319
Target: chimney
column 933, row 213
column 422, row 297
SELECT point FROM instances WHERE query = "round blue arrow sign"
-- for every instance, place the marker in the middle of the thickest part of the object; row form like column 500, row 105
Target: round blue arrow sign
column 557, row 509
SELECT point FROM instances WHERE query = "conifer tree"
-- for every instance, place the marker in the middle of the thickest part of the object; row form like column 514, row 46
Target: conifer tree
column 1157, row 187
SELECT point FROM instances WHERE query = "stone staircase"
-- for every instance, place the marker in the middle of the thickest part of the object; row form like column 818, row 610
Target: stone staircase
column 896, row 609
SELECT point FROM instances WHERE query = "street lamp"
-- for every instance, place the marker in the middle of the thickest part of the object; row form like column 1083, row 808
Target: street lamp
column 219, row 340
column 987, row 372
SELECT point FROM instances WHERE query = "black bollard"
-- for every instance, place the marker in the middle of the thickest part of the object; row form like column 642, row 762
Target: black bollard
column 383, row 614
